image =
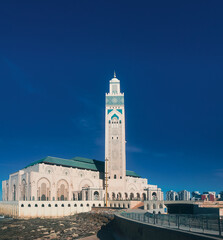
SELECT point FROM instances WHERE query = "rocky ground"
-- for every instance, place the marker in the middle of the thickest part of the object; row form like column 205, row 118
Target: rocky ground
column 73, row 227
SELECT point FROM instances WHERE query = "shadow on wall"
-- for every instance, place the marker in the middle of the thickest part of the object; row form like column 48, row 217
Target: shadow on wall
column 107, row 232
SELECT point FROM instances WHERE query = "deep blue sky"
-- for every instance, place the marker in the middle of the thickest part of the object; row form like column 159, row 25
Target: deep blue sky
column 56, row 60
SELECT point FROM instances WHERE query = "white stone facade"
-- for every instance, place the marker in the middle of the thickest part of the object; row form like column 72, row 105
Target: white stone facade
column 53, row 179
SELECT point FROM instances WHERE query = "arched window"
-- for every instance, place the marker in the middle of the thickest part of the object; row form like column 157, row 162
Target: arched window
column 43, row 205
column 115, row 176
column 75, row 205
column 36, row 205
column 87, row 205
column 96, row 195
column 69, row 205
column 14, row 192
column 23, row 190
column 99, row 205
column 29, row 205
column 62, row 205
column 49, row 205
column 154, row 197
column 56, row 205
column 22, row 205
column 81, row 205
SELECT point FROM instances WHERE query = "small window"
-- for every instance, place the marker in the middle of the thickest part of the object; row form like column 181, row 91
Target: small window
column 87, row 205
column 56, row 205
column 49, row 205
column 29, row 205
column 62, row 205
column 112, row 137
column 99, row 205
column 69, row 205
column 43, row 205
column 109, row 121
column 36, row 205
column 120, row 121
column 22, row 205
column 81, row 205
column 115, row 176
column 110, row 205
column 93, row 205
column 75, row 205
column 120, row 177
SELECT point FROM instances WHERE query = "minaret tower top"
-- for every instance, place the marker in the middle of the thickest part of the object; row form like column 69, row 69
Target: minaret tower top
column 114, row 86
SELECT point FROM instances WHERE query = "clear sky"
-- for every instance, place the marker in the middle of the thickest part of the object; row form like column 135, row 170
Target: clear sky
column 56, row 60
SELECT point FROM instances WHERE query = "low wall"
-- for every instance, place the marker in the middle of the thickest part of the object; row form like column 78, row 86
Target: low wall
column 132, row 229
column 10, row 209
column 46, row 209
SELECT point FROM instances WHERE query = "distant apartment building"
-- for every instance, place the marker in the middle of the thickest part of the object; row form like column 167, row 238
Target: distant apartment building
column 196, row 195
column 208, row 196
column 171, row 195
column 184, row 195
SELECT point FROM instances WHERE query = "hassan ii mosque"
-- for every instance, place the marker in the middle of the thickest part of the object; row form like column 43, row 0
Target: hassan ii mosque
column 52, row 181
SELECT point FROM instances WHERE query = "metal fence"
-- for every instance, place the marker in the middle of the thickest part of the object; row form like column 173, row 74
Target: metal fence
column 195, row 223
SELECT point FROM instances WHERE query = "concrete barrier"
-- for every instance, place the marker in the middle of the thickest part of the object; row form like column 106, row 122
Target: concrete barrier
column 132, row 230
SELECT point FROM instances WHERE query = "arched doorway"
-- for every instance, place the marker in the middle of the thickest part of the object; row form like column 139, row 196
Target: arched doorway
column 119, row 196
column 131, row 196
column 113, row 196
column 144, row 197
column 126, row 196
column 138, row 196
column 62, row 190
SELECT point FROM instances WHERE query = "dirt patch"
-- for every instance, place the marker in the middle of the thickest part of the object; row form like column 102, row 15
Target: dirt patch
column 72, row 227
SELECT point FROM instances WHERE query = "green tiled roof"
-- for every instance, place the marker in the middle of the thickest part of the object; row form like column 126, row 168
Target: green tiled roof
column 78, row 162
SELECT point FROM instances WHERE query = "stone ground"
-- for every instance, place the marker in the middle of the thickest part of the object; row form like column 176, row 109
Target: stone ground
column 97, row 225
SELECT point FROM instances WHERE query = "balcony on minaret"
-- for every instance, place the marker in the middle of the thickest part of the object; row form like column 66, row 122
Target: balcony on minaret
column 114, row 86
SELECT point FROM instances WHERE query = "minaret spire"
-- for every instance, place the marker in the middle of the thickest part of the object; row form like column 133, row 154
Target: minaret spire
column 114, row 74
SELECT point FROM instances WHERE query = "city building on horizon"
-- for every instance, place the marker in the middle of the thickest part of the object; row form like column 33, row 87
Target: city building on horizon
column 184, row 195
column 171, row 196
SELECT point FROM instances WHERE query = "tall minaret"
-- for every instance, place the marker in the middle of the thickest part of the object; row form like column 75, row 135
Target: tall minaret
column 115, row 137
